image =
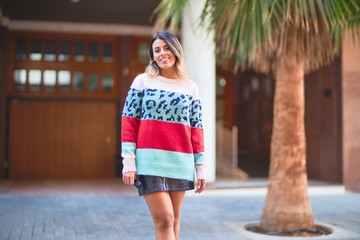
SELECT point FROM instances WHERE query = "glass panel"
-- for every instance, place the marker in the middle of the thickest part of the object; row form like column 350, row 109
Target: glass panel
column 20, row 51
column 64, row 80
column 220, row 86
column 49, row 50
column 93, row 82
column 35, row 50
column 255, row 84
column 34, row 80
column 108, row 55
column 64, row 51
column 78, row 81
column 20, row 79
column 93, row 52
column 79, row 52
column 108, row 82
column 143, row 52
column 49, row 80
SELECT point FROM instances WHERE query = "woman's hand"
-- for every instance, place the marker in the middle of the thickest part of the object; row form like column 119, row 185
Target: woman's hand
column 129, row 178
column 200, row 186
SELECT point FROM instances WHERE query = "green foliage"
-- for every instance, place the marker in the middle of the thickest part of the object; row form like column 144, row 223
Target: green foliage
column 168, row 14
column 258, row 33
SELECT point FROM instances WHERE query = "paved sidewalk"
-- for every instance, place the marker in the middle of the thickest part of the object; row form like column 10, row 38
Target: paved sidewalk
column 108, row 210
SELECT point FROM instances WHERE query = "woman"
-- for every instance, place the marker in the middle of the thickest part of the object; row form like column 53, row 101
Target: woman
column 162, row 135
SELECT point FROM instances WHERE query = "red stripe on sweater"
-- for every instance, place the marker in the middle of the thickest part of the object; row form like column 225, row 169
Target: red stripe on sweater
column 165, row 136
column 197, row 139
column 129, row 129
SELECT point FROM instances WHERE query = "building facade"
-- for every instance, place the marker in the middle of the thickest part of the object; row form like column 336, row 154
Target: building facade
column 64, row 81
column 64, row 76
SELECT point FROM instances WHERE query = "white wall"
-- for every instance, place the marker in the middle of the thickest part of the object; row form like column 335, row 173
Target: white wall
column 199, row 54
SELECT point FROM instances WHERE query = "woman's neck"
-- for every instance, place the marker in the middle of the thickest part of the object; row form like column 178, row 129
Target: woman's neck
column 168, row 73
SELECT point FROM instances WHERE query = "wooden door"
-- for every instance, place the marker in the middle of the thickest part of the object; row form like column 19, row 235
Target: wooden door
column 253, row 111
column 62, row 139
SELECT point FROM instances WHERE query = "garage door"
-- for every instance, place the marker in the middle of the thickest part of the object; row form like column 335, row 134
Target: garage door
column 62, row 100
column 62, row 139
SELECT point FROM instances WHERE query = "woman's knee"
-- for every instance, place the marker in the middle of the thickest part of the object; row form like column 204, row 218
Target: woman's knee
column 164, row 221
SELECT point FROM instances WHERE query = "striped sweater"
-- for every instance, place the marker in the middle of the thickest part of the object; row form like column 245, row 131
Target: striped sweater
column 162, row 127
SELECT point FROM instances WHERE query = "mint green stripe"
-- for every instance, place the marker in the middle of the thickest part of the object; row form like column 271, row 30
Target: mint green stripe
column 165, row 164
column 128, row 147
column 199, row 158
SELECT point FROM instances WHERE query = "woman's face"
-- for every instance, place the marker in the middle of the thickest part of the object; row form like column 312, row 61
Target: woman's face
column 163, row 56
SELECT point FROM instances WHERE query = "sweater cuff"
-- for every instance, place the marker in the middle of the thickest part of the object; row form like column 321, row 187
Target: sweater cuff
column 200, row 171
column 129, row 165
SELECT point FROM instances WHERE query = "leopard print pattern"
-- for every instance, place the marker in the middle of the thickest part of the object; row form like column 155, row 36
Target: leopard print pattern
column 163, row 106
column 132, row 107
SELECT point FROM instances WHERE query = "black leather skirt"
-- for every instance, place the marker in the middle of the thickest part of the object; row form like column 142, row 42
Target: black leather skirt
column 149, row 184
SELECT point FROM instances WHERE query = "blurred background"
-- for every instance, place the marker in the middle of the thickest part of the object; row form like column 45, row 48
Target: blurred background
column 66, row 66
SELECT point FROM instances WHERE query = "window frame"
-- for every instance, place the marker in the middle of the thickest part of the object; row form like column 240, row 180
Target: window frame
column 86, row 67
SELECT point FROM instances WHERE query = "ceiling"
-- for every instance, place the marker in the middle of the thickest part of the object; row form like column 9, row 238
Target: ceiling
column 130, row 12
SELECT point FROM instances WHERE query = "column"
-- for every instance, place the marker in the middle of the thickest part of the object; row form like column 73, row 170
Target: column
column 199, row 54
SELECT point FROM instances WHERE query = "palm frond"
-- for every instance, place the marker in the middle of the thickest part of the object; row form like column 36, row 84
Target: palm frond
column 257, row 33
column 168, row 14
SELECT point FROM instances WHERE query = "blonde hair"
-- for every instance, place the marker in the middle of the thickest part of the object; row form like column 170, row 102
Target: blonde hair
column 173, row 43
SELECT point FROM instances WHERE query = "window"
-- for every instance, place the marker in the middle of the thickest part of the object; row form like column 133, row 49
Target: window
column 20, row 49
column 20, row 79
column 107, row 82
column 143, row 52
column 64, row 51
column 35, row 50
column 64, row 80
column 34, row 79
column 78, row 81
column 93, row 52
column 64, row 65
column 108, row 52
column 93, row 82
column 79, row 52
column 49, row 50
column 49, row 80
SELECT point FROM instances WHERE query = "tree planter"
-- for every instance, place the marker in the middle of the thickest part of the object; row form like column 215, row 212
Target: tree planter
column 317, row 231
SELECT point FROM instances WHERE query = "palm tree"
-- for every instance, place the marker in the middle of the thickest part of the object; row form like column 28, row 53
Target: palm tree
column 285, row 38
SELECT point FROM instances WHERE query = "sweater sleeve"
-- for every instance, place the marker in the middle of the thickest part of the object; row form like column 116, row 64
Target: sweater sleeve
column 130, row 123
column 197, row 136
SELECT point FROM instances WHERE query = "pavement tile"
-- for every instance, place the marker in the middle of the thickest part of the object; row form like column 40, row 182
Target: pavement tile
column 55, row 213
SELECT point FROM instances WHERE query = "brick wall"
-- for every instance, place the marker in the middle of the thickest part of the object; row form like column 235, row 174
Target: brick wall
column 351, row 114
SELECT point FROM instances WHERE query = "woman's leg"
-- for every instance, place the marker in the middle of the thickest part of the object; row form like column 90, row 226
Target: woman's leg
column 177, row 200
column 165, row 210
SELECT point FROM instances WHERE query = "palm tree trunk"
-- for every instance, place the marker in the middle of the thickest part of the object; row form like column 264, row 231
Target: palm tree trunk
column 287, row 204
